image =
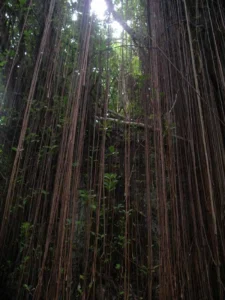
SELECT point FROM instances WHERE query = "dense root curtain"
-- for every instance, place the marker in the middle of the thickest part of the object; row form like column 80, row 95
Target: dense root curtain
column 112, row 153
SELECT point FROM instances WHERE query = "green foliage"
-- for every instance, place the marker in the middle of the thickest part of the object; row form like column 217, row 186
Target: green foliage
column 88, row 198
column 135, row 66
column 3, row 63
column 25, row 234
column 25, row 230
column 110, row 181
column 27, row 287
column 112, row 151
column 22, row 2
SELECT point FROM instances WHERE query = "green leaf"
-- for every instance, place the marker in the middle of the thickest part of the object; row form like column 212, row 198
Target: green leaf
column 25, row 226
column 26, row 287
column 2, row 63
column 22, row 2
column 93, row 206
column 75, row 164
column 118, row 266
column 111, row 149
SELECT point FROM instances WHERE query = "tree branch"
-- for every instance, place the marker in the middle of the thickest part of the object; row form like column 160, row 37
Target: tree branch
column 137, row 124
column 117, row 115
column 132, row 123
column 137, row 39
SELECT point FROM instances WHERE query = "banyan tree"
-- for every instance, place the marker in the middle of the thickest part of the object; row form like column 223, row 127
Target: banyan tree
column 112, row 161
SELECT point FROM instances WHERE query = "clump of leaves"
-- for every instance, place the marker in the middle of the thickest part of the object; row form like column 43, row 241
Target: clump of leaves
column 25, row 233
column 110, row 181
